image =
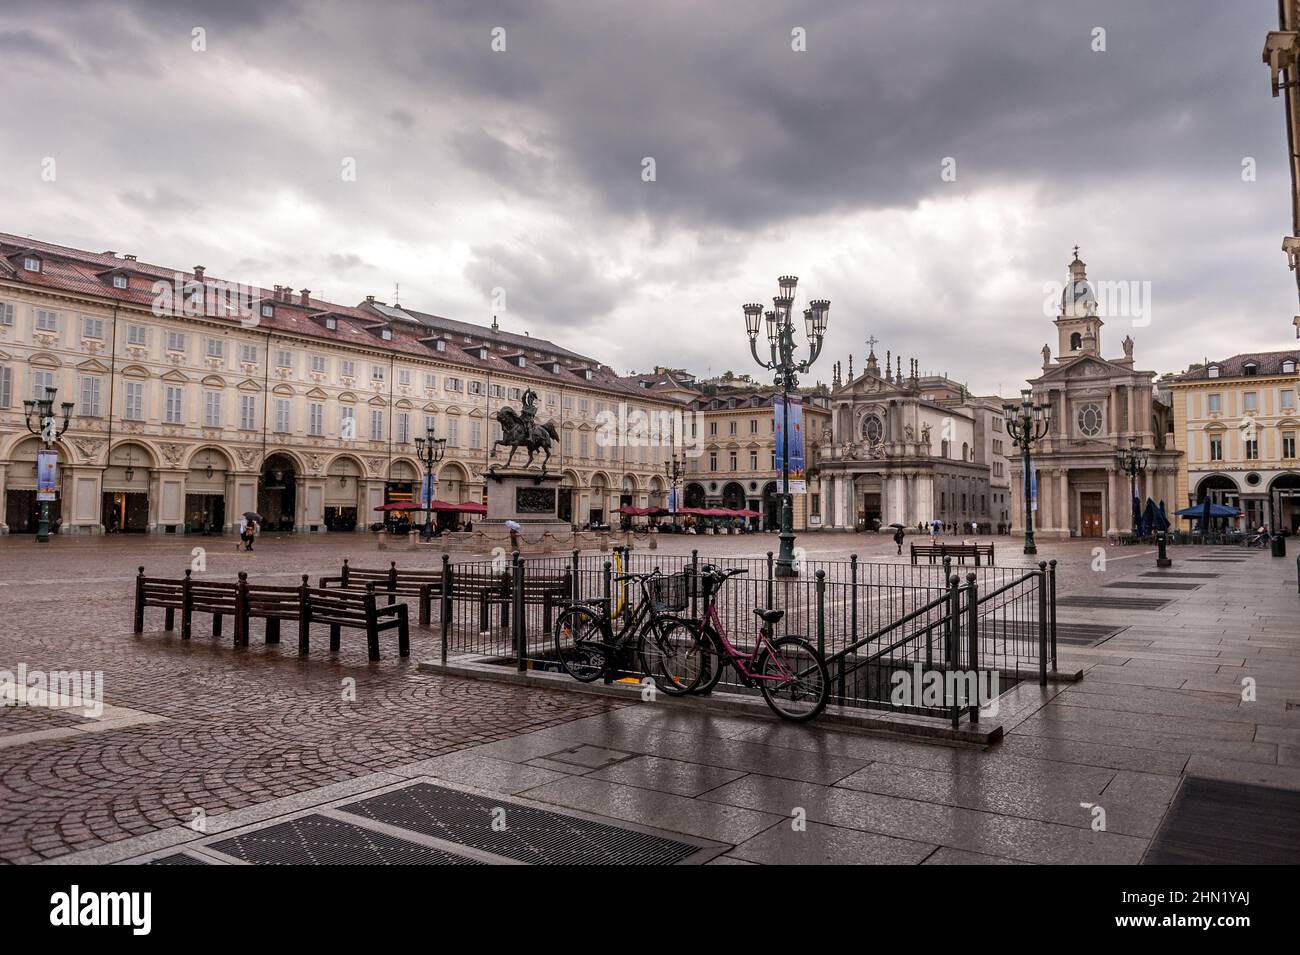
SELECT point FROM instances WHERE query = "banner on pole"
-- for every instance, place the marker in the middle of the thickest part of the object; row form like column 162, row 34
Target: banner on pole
column 47, row 474
column 798, row 475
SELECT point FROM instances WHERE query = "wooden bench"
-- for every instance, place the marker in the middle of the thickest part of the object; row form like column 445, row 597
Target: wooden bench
column 274, row 604
column 189, row 596
column 421, row 584
column 482, row 587
column 958, row 552
column 346, row 608
column 244, row 601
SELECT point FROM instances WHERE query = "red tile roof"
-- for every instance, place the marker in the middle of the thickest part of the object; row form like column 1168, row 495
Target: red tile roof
column 76, row 271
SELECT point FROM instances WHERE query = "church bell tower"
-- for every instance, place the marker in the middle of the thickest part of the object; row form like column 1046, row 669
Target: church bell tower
column 1077, row 326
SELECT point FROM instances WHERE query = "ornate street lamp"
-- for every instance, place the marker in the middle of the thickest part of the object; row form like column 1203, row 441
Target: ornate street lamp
column 674, row 468
column 780, row 339
column 429, row 449
column 1027, row 423
column 1132, row 461
column 41, row 421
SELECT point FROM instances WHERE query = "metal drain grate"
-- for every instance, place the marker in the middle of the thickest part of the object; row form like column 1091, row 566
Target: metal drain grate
column 1075, row 634
column 1150, row 585
column 1219, row 560
column 1220, row 823
column 178, row 858
column 1173, row 573
column 1113, row 603
column 320, row 840
column 522, row 833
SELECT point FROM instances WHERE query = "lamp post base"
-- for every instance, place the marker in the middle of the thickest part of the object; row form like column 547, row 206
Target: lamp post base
column 785, row 557
column 785, row 553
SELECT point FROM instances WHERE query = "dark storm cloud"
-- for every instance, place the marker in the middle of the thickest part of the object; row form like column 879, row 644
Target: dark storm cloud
column 522, row 169
column 555, row 278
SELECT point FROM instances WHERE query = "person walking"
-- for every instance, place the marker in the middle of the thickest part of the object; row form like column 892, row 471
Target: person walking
column 243, row 532
column 898, row 539
column 252, row 535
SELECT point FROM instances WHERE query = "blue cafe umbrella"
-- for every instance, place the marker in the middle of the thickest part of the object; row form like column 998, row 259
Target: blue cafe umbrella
column 1206, row 510
column 1152, row 519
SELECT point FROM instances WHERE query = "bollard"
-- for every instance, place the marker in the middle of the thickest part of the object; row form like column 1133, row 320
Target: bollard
column 1162, row 558
column 821, row 612
column 972, row 634
column 1042, row 623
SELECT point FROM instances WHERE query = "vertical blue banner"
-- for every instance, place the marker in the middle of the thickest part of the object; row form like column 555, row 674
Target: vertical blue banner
column 798, row 477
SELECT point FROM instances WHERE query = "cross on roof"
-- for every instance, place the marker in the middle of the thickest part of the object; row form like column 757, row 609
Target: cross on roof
column 871, row 342
column 1076, row 251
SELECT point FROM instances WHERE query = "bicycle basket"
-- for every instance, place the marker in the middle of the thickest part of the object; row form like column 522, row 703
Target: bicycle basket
column 670, row 592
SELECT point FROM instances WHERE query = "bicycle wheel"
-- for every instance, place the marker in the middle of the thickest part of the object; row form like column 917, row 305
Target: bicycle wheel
column 580, row 644
column 671, row 653
column 793, row 679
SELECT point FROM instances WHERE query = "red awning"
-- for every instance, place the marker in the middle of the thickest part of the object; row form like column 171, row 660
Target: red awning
column 470, row 507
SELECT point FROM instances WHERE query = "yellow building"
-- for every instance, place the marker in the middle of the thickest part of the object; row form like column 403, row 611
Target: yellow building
column 1238, row 422
column 736, row 467
column 197, row 399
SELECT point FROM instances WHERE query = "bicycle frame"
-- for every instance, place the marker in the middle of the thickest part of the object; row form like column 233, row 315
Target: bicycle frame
column 711, row 622
column 642, row 613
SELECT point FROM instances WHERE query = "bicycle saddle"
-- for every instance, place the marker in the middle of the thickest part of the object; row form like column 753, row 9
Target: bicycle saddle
column 770, row 616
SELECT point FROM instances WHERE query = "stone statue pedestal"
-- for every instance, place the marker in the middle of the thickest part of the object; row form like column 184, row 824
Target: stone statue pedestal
column 530, row 499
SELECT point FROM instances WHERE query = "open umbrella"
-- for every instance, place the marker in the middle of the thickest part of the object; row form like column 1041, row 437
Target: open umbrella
column 896, row 524
column 253, row 516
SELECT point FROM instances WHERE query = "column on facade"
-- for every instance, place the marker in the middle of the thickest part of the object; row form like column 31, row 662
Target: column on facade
column 1063, row 502
column 1115, row 496
column 845, row 503
column 925, row 498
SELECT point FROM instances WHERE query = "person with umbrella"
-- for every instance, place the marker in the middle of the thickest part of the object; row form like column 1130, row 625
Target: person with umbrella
column 898, row 537
column 248, row 529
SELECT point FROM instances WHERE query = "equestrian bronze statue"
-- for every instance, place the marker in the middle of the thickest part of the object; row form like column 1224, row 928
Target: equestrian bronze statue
column 521, row 430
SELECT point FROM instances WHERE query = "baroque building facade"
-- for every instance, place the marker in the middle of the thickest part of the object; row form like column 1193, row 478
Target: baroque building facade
column 196, row 400
column 910, row 449
column 1238, row 422
column 1097, row 405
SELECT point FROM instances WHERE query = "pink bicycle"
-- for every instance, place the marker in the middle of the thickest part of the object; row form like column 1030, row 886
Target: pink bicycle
column 788, row 671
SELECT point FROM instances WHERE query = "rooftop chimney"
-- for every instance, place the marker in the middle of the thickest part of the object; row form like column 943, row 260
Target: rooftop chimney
column 198, row 273
column 129, row 258
column 306, row 296
column 370, row 299
column 275, row 296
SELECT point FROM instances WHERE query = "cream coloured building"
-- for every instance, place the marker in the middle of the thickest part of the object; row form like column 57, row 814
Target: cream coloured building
column 1097, row 405
column 736, row 466
column 1239, row 423
column 197, row 399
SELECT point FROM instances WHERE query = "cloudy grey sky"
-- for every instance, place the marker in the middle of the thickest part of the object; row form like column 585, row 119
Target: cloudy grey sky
column 522, row 169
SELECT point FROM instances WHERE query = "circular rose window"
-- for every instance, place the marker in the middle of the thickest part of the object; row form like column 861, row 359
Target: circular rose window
column 872, row 429
column 1090, row 420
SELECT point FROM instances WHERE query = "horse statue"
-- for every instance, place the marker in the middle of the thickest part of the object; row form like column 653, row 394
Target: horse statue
column 518, row 432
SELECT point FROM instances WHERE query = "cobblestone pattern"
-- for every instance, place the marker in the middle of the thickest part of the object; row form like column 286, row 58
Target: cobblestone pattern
column 242, row 727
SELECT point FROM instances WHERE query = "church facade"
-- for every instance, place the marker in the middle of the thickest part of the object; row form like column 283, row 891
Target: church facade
column 908, row 449
column 1097, row 405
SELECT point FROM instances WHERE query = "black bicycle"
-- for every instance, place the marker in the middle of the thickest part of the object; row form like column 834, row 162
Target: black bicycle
column 589, row 646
